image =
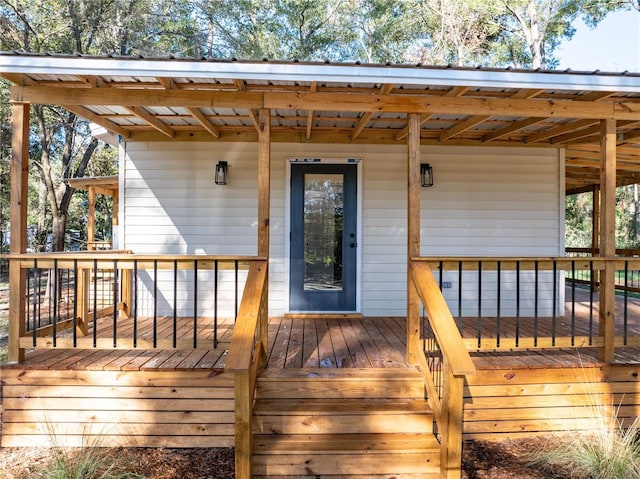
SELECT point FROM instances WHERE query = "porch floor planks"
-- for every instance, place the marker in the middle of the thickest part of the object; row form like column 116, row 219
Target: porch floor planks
column 322, row 342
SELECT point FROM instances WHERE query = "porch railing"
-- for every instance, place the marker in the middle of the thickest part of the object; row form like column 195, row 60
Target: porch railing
column 446, row 363
column 592, row 278
column 247, row 354
column 518, row 303
column 142, row 302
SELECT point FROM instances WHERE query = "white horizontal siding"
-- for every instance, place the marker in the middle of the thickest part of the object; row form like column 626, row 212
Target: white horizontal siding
column 485, row 202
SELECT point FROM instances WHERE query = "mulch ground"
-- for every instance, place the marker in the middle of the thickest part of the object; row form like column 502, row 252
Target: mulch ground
column 482, row 460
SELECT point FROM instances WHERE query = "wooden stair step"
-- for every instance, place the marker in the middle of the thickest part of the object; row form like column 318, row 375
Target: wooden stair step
column 333, row 465
column 340, row 383
column 331, row 406
column 344, row 443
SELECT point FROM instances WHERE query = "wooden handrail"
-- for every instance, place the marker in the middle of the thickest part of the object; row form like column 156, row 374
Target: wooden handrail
column 442, row 322
column 244, row 332
column 456, row 364
column 246, row 354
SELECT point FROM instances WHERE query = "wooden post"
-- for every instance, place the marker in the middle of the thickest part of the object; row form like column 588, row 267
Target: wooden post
column 91, row 221
column 264, row 207
column 115, row 194
column 18, row 243
column 452, row 421
column 595, row 234
column 607, row 236
column 264, row 180
column 243, row 413
column 413, row 235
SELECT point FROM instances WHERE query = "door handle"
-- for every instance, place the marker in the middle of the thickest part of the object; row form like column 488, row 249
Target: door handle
column 353, row 245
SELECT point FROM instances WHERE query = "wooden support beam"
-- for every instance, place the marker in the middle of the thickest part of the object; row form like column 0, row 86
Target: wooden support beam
column 254, row 118
column 619, row 110
column 264, row 181
column 204, row 121
column 18, row 242
column 147, row 98
column 413, row 236
column 325, row 101
column 608, row 237
column 240, row 85
column 153, row 121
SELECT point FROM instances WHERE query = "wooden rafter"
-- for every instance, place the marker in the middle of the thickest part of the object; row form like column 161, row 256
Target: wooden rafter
column 94, row 81
column 564, row 128
column 167, row 83
column 478, row 119
column 507, row 130
column 204, row 121
column 97, row 119
column 153, row 121
column 366, row 117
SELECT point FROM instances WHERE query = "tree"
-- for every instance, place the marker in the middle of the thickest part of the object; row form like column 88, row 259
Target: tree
column 459, row 33
column 532, row 29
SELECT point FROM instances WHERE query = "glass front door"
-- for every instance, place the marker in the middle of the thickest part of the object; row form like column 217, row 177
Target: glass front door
column 323, row 237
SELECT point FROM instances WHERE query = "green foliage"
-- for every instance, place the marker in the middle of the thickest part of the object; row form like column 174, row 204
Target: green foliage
column 89, row 462
column 610, row 451
column 578, row 220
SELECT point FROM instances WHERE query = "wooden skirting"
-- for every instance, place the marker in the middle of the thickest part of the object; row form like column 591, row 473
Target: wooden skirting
column 510, row 403
column 192, row 408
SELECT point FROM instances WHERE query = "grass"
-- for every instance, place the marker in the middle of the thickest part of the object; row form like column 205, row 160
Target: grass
column 87, row 462
column 90, row 461
column 610, row 449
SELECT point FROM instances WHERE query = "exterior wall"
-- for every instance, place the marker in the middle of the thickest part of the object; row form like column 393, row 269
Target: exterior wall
column 485, row 202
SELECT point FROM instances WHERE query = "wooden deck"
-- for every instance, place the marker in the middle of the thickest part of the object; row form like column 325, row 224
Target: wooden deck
column 180, row 398
column 336, row 343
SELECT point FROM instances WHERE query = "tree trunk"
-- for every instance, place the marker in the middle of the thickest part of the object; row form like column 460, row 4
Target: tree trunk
column 59, row 229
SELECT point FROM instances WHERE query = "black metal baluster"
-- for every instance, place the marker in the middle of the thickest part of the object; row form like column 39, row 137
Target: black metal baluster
column 479, row 322
column 155, row 303
column 535, row 305
column 55, row 302
column 175, row 303
column 115, row 303
column 237, row 281
column 215, row 305
column 135, row 303
column 498, row 311
column 95, row 302
column 517, row 303
column 75, row 303
column 591, row 303
column 555, row 309
column 36, row 294
column 460, row 296
column 626, row 300
column 573, row 304
column 195, row 304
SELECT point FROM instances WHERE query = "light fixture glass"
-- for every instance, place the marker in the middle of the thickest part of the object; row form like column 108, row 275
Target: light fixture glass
column 221, row 173
column 426, row 175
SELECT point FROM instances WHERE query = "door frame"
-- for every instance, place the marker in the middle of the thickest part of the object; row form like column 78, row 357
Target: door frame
column 287, row 221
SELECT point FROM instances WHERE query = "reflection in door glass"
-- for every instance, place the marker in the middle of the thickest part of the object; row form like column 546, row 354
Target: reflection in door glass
column 323, row 213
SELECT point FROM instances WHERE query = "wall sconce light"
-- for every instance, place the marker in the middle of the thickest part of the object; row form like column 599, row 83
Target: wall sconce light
column 426, row 174
column 221, row 173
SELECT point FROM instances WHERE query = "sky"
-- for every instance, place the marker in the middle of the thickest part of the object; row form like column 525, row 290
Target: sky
column 613, row 46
